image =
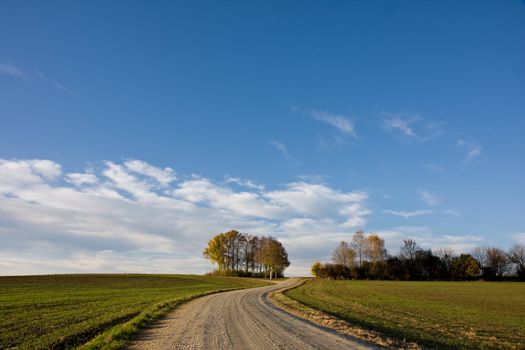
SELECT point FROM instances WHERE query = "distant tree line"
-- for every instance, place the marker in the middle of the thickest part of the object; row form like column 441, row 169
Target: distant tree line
column 365, row 257
column 241, row 254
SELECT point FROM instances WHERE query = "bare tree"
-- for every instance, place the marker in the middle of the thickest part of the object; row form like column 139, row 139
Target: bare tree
column 497, row 261
column 480, row 254
column 409, row 249
column 359, row 243
column 517, row 257
column 343, row 255
column 447, row 256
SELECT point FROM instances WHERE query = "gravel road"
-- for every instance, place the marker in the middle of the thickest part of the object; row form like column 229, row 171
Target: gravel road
column 242, row 319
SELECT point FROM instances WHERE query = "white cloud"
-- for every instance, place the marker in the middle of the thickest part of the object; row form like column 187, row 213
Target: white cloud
column 244, row 183
column 81, row 178
column 343, row 124
column 400, row 125
column 134, row 217
column 7, row 68
column 316, row 178
column 411, row 127
column 473, row 149
column 162, row 176
column 281, row 147
column 408, row 214
column 430, row 198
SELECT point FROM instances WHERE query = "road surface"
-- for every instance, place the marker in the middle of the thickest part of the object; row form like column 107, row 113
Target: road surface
column 242, row 319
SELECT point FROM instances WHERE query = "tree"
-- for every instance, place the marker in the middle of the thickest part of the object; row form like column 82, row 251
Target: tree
column 236, row 253
column 409, row 249
column 358, row 244
column 316, row 268
column 497, row 262
column 343, row 255
column 446, row 256
column 215, row 251
column 375, row 248
column 517, row 257
column 480, row 254
column 273, row 257
column 465, row 267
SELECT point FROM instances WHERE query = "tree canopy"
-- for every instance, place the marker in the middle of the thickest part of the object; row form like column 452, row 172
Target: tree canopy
column 242, row 254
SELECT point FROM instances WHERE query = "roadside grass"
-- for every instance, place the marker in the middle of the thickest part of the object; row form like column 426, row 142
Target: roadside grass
column 66, row 311
column 441, row 315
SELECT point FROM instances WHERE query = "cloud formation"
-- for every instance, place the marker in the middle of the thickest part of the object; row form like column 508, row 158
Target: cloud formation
column 343, row 124
column 280, row 147
column 430, row 198
column 135, row 217
column 473, row 149
column 407, row 214
column 411, row 127
column 7, row 68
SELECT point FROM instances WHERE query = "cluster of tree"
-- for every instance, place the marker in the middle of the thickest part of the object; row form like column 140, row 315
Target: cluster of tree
column 241, row 254
column 365, row 257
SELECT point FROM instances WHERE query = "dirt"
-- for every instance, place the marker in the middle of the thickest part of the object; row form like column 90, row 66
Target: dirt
column 243, row 319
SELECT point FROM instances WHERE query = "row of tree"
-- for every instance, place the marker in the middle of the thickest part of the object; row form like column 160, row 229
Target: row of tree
column 366, row 257
column 241, row 254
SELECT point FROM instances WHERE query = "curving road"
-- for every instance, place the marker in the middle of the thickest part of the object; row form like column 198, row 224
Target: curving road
column 242, row 319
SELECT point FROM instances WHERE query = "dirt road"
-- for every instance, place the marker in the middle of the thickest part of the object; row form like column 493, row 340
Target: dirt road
column 242, row 319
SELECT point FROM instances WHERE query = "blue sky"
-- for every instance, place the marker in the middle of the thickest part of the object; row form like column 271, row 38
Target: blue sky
column 307, row 120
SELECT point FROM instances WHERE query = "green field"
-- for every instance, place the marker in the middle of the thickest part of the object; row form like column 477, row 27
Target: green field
column 444, row 315
column 64, row 311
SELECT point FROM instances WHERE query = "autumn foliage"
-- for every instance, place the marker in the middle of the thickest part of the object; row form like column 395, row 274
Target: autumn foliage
column 241, row 254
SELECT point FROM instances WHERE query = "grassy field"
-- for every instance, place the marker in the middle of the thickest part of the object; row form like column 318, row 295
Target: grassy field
column 444, row 315
column 64, row 311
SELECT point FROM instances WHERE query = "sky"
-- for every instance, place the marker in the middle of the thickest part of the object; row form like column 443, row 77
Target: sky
column 133, row 132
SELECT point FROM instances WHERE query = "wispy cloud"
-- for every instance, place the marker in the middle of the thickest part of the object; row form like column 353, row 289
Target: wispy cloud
column 400, row 125
column 56, row 84
column 7, row 68
column 408, row 214
column 411, row 127
column 473, row 149
column 280, row 147
column 430, row 198
column 340, row 122
column 243, row 182
column 315, row 178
